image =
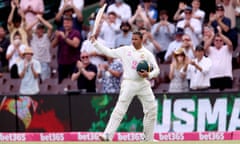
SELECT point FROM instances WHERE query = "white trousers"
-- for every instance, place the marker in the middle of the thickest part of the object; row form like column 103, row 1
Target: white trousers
column 129, row 89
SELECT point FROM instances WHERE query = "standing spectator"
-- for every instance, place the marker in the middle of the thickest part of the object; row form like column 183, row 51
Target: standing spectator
column 191, row 26
column 110, row 76
column 85, row 74
column 149, row 11
column 122, row 10
column 31, row 8
column 68, row 42
column 219, row 19
column 188, row 46
column 177, row 74
column 41, row 44
column 16, row 23
column 162, row 32
column 149, row 42
column 69, row 10
column 109, row 29
column 237, row 12
column 221, row 57
column 175, row 44
column 29, row 71
column 79, row 4
column 124, row 38
column 14, row 54
column 4, row 43
column 198, row 69
column 197, row 12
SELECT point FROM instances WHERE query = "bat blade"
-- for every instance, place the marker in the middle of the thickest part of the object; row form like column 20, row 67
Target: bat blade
column 98, row 18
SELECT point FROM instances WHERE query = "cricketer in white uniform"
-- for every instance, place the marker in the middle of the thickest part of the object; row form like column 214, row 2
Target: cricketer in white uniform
column 133, row 84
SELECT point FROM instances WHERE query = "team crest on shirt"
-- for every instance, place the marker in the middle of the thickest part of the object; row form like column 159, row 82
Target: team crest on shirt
column 142, row 56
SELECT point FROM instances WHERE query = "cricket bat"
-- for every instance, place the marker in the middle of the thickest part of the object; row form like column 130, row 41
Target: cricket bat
column 98, row 18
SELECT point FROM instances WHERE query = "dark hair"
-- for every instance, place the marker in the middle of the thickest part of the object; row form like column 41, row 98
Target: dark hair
column 17, row 33
column 112, row 13
column 163, row 12
column 138, row 33
column 125, row 23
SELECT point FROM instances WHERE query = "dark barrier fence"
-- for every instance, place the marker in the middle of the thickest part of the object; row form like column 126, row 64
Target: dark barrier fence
column 90, row 112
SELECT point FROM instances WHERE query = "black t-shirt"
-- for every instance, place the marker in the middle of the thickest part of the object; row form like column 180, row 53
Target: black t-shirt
column 84, row 83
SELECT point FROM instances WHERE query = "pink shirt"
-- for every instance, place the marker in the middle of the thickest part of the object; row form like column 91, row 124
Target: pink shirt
column 36, row 5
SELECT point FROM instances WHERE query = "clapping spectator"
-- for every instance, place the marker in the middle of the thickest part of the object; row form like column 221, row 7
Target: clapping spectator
column 85, row 73
column 31, row 8
column 122, row 10
column 163, row 33
column 109, row 29
column 221, row 56
column 198, row 70
column 79, row 4
column 149, row 42
column 68, row 41
column 14, row 54
column 197, row 12
column 110, row 75
column 16, row 23
column 41, row 44
column 177, row 74
column 4, row 43
column 29, row 70
column 175, row 44
column 69, row 9
column 191, row 26
column 188, row 46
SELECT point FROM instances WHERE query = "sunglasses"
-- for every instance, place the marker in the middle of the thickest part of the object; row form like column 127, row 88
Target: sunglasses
column 84, row 57
column 186, row 39
column 218, row 40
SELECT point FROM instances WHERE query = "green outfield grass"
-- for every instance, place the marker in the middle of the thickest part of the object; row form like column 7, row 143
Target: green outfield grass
column 169, row 142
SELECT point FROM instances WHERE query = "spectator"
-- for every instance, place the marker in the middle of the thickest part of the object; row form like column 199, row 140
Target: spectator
column 162, row 32
column 237, row 12
column 208, row 31
column 188, row 46
column 139, row 20
column 191, row 26
column 198, row 69
column 4, row 43
column 16, row 22
column 95, row 56
column 41, row 44
column 149, row 11
column 109, row 29
column 125, row 37
column 149, row 42
column 68, row 42
column 14, row 54
column 218, row 19
column 175, row 44
column 69, row 10
column 177, row 74
column 110, row 75
column 79, row 4
column 29, row 71
column 229, row 10
column 31, row 9
column 85, row 74
column 197, row 12
column 122, row 10
column 221, row 57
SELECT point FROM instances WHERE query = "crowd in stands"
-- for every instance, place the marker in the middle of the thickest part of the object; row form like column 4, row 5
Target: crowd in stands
column 195, row 50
